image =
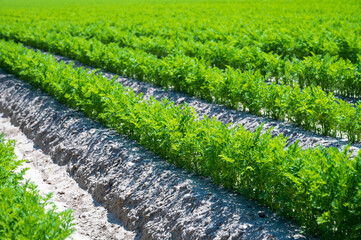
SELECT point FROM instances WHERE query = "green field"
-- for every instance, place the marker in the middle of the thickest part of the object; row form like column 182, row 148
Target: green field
column 290, row 61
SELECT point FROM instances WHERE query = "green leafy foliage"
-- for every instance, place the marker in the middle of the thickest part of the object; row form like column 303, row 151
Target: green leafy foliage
column 22, row 209
column 317, row 44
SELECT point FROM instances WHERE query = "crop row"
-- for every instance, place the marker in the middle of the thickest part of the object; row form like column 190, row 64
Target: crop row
column 283, row 45
column 332, row 73
column 322, row 28
column 22, row 213
column 320, row 188
column 310, row 108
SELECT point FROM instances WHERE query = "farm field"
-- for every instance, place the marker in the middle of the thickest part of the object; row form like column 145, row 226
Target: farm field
column 296, row 63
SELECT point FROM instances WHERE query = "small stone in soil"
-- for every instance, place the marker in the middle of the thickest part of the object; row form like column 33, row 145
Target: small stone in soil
column 261, row 214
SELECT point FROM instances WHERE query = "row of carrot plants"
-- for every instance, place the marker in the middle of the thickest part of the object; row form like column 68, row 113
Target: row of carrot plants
column 331, row 73
column 310, row 107
column 322, row 28
column 23, row 213
column 320, row 188
column 162, row 46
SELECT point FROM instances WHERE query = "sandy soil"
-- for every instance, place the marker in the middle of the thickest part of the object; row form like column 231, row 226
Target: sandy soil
column 93, row 221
